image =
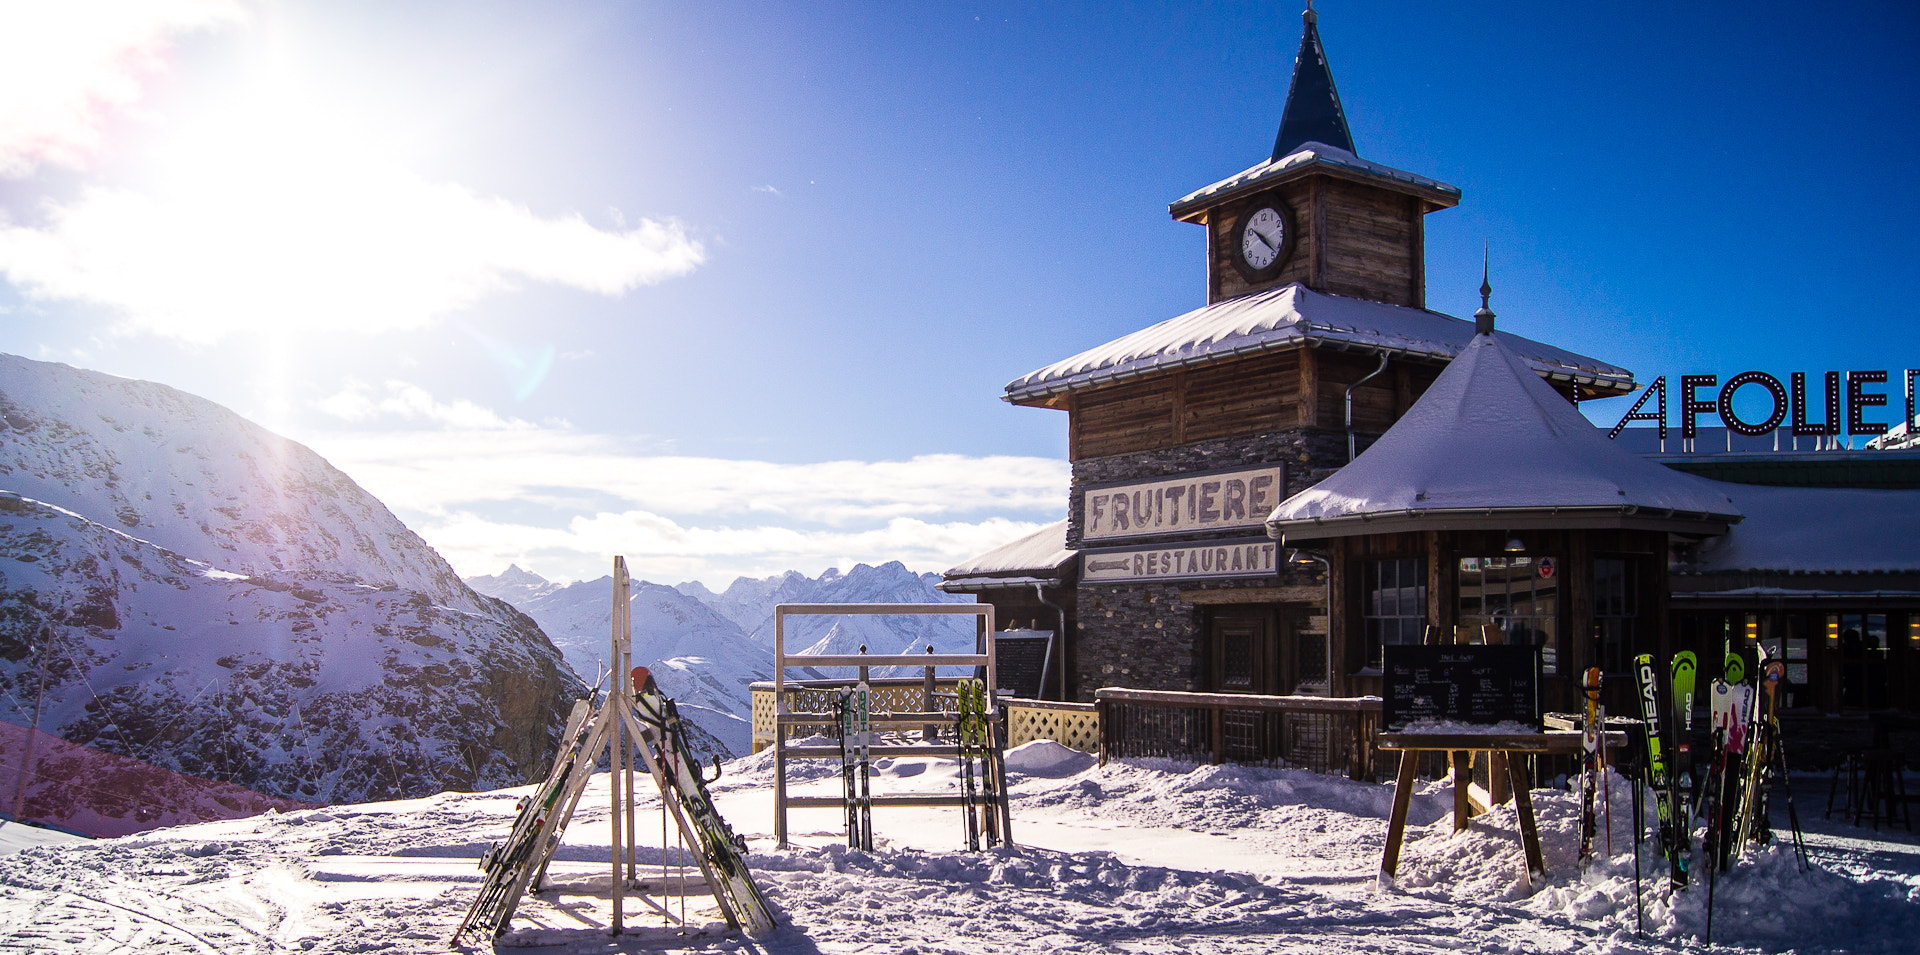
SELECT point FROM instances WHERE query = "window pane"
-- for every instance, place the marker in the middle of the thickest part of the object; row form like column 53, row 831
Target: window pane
column 1394, row 603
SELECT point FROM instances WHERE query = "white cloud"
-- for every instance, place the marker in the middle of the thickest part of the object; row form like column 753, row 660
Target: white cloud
column 438, row 472
column 666, row 551
column 313, row 246
column 276, row 212
column 357, row 402
column 487, row 491
column 69, row 67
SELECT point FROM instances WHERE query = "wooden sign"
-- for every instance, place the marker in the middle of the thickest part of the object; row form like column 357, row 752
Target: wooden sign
column 1479, row 685
column 1183, row 503
column 1021, row 658
column 1241, row 557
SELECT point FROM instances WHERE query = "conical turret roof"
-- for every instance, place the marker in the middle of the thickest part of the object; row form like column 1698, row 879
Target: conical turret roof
column 1491, row 445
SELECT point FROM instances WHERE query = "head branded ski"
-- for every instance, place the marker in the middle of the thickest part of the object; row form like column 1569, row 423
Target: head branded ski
column 1659, row 775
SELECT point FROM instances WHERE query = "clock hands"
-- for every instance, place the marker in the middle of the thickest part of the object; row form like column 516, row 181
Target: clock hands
column 1269, row 243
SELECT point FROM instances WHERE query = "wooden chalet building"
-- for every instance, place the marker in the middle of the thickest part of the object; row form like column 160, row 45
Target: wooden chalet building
column 1186, row 434
column 1485, row 508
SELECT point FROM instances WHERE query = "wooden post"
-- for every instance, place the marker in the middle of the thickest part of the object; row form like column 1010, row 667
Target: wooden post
column 1216, row 733
column 928, row 731
column 621, row 691
column 1103, row 714
column 1529, row 831
column 1397, row 821
column 1462, row 778
column 779, row 730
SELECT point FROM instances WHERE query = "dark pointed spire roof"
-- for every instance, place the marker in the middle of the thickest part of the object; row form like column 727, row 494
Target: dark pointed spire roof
column 1313, row 112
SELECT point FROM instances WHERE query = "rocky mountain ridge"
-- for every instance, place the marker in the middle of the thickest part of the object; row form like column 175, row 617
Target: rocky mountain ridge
column 179, row 585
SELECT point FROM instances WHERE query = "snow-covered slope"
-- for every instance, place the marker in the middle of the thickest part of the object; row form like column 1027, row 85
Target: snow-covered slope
column 1135, row 856
column 181, row 586
column 195, row 478
column 700, row 658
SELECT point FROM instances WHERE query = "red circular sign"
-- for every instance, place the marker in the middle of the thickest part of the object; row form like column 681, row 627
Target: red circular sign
column 1546, row 566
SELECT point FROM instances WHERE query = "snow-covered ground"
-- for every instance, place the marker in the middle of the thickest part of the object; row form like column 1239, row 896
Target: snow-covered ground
column 1130, row 857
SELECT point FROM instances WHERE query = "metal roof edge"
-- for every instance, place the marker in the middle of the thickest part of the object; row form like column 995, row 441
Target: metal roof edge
column 1299, row 334
column 1279, row 172
column 1525, row 517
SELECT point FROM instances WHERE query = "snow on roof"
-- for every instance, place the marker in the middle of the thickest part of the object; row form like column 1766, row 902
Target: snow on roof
column 1816, row 530
column 1298, row 163
column 1038, row 557
column 1490, row 439
column 1291, row 315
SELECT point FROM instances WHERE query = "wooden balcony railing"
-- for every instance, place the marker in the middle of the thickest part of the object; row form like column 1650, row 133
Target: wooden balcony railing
column 1326, row 735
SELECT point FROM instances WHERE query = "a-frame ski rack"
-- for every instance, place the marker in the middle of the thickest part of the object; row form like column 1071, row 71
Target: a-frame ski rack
column 993, row 800
column 632, row 721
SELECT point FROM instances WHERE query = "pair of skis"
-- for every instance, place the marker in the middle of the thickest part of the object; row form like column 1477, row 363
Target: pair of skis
column 1593, row 771
column 1746, row 756
column 723, row 850
column 980, row 792
column 856, row 762
column 512, row 866
column 1668, row 756
column 507, row 863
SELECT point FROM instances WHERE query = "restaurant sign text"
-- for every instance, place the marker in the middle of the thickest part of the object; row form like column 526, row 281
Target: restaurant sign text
column 1229, row 558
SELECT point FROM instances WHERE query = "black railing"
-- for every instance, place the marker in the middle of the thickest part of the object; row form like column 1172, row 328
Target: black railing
column 1326, row 735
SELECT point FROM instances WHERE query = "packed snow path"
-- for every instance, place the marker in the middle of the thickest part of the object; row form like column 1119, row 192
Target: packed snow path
column 1134, row 857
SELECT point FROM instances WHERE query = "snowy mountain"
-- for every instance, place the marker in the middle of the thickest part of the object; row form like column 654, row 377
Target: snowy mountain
column 750, row 603
column 706, row 649
column 700, row 658
column 179, row 585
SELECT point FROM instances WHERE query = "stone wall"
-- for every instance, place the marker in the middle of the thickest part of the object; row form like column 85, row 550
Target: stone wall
column 1145, row 635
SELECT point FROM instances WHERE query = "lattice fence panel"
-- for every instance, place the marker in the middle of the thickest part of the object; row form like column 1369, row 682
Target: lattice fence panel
column 1073, row 728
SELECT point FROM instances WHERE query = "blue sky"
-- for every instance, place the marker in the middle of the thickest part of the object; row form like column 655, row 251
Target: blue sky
column 734, row 287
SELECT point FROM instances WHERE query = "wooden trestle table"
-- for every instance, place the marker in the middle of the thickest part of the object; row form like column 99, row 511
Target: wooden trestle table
column 1505, row 769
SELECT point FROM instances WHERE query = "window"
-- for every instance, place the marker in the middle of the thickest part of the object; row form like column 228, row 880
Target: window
column 1394, row 596
column 1863, row 658
column 1616, row 608
column 1787, row 644
column 1519, row 597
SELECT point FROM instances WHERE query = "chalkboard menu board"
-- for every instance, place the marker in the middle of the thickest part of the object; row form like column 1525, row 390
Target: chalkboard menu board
column 1020, row 660
column 1474, row 684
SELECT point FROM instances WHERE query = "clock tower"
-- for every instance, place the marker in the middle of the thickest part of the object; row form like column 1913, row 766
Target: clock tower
column 1315, row 212
column 1186, row 434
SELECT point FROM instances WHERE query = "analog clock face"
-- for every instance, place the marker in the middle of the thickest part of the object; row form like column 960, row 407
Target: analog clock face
column 1262, row 238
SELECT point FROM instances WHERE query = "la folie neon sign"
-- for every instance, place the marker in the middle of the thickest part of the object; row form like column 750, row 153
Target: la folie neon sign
column 1789, row 399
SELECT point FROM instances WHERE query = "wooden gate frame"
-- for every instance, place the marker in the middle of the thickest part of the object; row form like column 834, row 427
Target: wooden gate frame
column 783, row 718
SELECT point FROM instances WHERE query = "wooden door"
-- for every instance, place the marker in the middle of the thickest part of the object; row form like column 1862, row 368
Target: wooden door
column 1244, row 652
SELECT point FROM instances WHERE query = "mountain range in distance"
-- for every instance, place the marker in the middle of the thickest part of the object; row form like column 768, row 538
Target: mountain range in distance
column 706, row 649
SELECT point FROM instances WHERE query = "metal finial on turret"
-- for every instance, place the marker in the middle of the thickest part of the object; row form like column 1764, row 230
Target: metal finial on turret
column 1483, row 319
column 1310, row 16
